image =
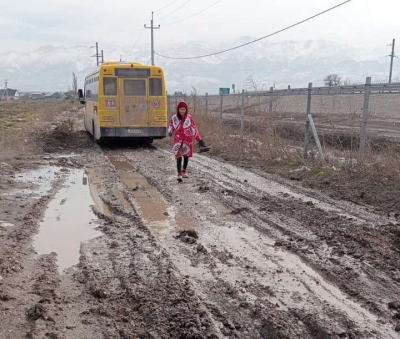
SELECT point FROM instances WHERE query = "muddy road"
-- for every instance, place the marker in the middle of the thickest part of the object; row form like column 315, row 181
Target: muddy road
column 102, row 242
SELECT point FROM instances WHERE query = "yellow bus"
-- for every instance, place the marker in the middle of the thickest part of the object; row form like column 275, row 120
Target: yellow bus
column 125, row 100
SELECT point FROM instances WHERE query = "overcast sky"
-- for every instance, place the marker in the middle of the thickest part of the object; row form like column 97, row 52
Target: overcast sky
column 26, row 25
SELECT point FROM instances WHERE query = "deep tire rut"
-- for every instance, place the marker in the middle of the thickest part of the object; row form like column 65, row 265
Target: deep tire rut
column 260, row 258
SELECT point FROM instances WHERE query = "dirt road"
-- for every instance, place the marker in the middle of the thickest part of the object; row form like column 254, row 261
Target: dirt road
column 101, row 242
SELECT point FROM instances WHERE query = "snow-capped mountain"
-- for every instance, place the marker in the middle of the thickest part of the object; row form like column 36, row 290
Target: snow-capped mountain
column 294, row 63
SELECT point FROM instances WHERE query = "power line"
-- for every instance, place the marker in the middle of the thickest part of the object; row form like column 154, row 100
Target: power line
column 166, row 16
column 191, row 16
column 219, row 70
column 165, row 7
column 262, row 38
column 137, row 40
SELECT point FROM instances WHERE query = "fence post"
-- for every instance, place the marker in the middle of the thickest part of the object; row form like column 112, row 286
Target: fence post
column 242, row 115
column 220, row 110
column 310, row 123
column 206, row 104
column 307, row 131
column 176, row 102
column 271, row 90
column 316, row 138
column 364, row 121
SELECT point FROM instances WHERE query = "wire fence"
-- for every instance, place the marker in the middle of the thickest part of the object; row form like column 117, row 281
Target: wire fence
column 348, row 117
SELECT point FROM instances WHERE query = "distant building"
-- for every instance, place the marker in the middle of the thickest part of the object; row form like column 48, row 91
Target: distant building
column 38, row 96
column 9, row 94
column 70, row 94
column 55, row 95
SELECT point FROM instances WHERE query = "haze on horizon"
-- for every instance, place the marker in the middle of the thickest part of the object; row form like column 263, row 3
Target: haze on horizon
column 30, row 25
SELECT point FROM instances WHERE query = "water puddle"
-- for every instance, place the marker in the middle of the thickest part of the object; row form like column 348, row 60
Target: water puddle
column 6, row 224
column 121, row 198
column 68, row 221
column 42, row 179
column 150, row 203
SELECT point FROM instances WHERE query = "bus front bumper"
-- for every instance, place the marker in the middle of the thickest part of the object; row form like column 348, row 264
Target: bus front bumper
column 133, row 132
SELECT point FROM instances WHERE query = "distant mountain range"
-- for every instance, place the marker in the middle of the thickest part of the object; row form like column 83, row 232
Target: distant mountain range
column 294, row 63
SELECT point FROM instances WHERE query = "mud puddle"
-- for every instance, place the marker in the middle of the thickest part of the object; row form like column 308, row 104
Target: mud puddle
column 95, row 186
column 150, row 203
column 40, row 179
column 6, row 224
column 68, row 221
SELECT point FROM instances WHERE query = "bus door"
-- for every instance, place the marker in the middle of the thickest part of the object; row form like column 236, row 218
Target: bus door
column 133, row 108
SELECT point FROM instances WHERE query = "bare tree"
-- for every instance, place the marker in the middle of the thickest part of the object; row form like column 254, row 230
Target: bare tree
column 347, row 82
column 333, row 80
column 74, row 83
column 253, row 85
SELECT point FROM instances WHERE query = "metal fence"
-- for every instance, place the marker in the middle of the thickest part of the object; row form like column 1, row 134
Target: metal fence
column 343, row 115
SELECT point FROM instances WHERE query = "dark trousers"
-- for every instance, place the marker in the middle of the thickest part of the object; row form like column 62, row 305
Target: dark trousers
column 179, row 163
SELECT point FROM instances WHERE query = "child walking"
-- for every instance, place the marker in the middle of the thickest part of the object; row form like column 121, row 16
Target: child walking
column 184, row 128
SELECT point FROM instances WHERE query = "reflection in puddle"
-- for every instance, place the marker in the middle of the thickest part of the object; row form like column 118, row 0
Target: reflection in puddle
column 5, row 224
column 68, row 221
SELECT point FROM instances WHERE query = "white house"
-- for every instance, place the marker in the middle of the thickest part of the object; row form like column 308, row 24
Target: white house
column 9, row 94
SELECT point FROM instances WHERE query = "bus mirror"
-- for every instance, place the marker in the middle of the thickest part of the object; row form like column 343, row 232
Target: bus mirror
column 81, row 98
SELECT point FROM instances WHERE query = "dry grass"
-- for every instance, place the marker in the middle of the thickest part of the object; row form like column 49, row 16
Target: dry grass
column 374, row 179
column 22, row 122
column 227, row 141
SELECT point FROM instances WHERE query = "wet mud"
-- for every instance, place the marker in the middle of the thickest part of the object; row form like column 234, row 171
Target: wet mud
column 68, row 221
column 103, row 243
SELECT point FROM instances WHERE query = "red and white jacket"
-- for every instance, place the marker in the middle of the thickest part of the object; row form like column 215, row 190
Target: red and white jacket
column 184, row 131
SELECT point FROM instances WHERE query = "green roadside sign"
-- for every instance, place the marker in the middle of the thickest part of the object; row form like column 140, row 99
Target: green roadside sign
column 224, row 91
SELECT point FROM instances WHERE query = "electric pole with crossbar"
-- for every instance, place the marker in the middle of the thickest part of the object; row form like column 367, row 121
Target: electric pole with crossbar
column 152, row 36
column 97, row 55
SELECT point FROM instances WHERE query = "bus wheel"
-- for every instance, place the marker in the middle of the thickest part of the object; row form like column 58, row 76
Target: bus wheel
column 97, row 141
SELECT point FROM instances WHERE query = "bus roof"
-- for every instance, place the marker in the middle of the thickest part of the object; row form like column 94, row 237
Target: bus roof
column 120, row 64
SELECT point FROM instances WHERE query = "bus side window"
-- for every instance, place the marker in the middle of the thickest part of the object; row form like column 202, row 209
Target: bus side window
column 110, row 86
column 156, row 87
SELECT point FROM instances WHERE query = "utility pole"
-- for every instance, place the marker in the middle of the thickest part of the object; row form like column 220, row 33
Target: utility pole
column 392, row 56
column 5, row 91
column 102, row 57
column 152, row 36
column 97, row 55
